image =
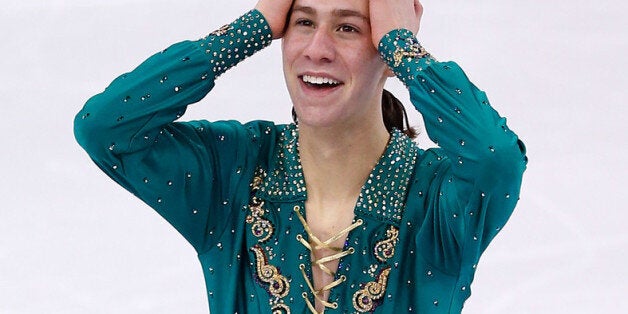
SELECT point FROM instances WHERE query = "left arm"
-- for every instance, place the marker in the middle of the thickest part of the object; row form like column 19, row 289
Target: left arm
column 483, row 161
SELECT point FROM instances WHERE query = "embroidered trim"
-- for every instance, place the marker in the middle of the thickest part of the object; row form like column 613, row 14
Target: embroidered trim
column 261, row 228
column 278, row 285
column 286, row 182
column 280, row 308
column 404, row 54
column 222, row 30
column 364, row 300
column 383, row 196
column 232, row 43
column 385, row 249
column 412, row 50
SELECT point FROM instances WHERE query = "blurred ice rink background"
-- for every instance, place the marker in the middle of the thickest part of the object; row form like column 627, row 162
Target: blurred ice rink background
column 71, row 241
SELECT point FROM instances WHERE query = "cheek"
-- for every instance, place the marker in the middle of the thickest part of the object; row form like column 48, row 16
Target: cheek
column 291, row 50
column 285, row 52
column 370, row 68
column 287, row 59
column 367, row 59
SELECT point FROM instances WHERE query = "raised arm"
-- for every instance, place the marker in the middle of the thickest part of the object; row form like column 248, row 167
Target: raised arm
column 479, row 165
column 185, row 171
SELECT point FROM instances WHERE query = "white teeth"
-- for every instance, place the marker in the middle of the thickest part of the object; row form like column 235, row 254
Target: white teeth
column 319, row 80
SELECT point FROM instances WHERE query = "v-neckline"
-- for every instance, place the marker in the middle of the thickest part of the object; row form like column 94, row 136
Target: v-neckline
column 383, row 194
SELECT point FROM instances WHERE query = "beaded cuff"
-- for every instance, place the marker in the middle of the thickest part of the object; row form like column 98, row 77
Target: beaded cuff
column 234, row 42
column 401, row 50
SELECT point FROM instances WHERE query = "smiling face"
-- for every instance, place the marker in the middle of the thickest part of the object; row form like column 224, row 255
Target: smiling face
column 333, row 73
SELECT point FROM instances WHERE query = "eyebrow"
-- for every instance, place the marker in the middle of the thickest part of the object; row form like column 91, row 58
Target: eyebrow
column 335, row 12
column 349, row 13
column 300, row 8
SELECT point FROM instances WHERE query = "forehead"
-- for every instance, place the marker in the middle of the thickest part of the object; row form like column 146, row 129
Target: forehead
column 330, row 6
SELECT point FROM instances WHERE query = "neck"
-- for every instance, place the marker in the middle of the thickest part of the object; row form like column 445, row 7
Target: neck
column 337, row 161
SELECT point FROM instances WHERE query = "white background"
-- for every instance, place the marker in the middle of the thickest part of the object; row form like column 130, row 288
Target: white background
column 71, row 241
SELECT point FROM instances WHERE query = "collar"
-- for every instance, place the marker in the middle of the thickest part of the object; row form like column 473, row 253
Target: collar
column 383, row 195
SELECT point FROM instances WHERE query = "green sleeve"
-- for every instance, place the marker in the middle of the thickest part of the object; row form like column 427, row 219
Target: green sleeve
column 186, row 171
column 481, row 161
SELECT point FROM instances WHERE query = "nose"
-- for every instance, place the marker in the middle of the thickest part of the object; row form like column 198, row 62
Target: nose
column 321, row 47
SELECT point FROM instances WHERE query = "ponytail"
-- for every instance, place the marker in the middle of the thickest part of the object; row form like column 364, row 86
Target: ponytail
column 395, row 115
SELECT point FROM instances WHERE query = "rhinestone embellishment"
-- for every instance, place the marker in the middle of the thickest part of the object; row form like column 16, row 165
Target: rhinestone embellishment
column 261, row 228
column 365, row 300
column 413, row 50
column 385, row 249
column 222, row 31
column 278, row 285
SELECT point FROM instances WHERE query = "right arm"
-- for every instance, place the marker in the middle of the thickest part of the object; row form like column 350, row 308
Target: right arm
column 129, row 130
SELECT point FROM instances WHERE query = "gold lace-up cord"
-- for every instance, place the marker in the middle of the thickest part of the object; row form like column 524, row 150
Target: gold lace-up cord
column 318, row 244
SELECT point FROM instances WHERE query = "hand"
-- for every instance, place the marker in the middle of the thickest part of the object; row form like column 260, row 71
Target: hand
column 387, row 15
column 275, row 12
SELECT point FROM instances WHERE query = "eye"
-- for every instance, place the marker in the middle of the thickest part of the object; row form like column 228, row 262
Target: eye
column 348, row 29
column 303, row 22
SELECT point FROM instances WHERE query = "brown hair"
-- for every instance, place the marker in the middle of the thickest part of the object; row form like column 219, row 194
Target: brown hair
column 395, row 116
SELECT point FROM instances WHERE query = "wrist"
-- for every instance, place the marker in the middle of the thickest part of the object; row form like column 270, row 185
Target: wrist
column 234, row 42
column 401, row 50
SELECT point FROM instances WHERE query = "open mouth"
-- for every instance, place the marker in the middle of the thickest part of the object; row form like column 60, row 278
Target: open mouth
column 320, row 82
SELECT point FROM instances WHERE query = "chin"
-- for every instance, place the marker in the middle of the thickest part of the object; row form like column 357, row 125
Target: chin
column 315, row 118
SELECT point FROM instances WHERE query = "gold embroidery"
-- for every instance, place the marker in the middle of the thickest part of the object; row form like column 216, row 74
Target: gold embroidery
column 261, row 227
column 280, row 308
column 222, row 31
column 278, row 284
column 385, row 249
column 364, row 299
column 415, row 51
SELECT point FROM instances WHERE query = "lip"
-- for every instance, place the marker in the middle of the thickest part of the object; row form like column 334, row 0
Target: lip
column 312, row 91
column 318, row 92
column 320, row 74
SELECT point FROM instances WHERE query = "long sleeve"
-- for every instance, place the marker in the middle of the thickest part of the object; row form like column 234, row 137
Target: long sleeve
column 184, row 170
column 478, row 168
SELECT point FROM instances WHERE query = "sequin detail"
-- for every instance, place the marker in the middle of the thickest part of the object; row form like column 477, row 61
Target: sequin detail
column 278, row 285
column 412, row 50
column 384, row 194
column 221, row 31
column 261, row 228
column 285, row 180
column 366, row 299
column 279, row 308
column 235, row 42
column 385, row 249
column 399, row 48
